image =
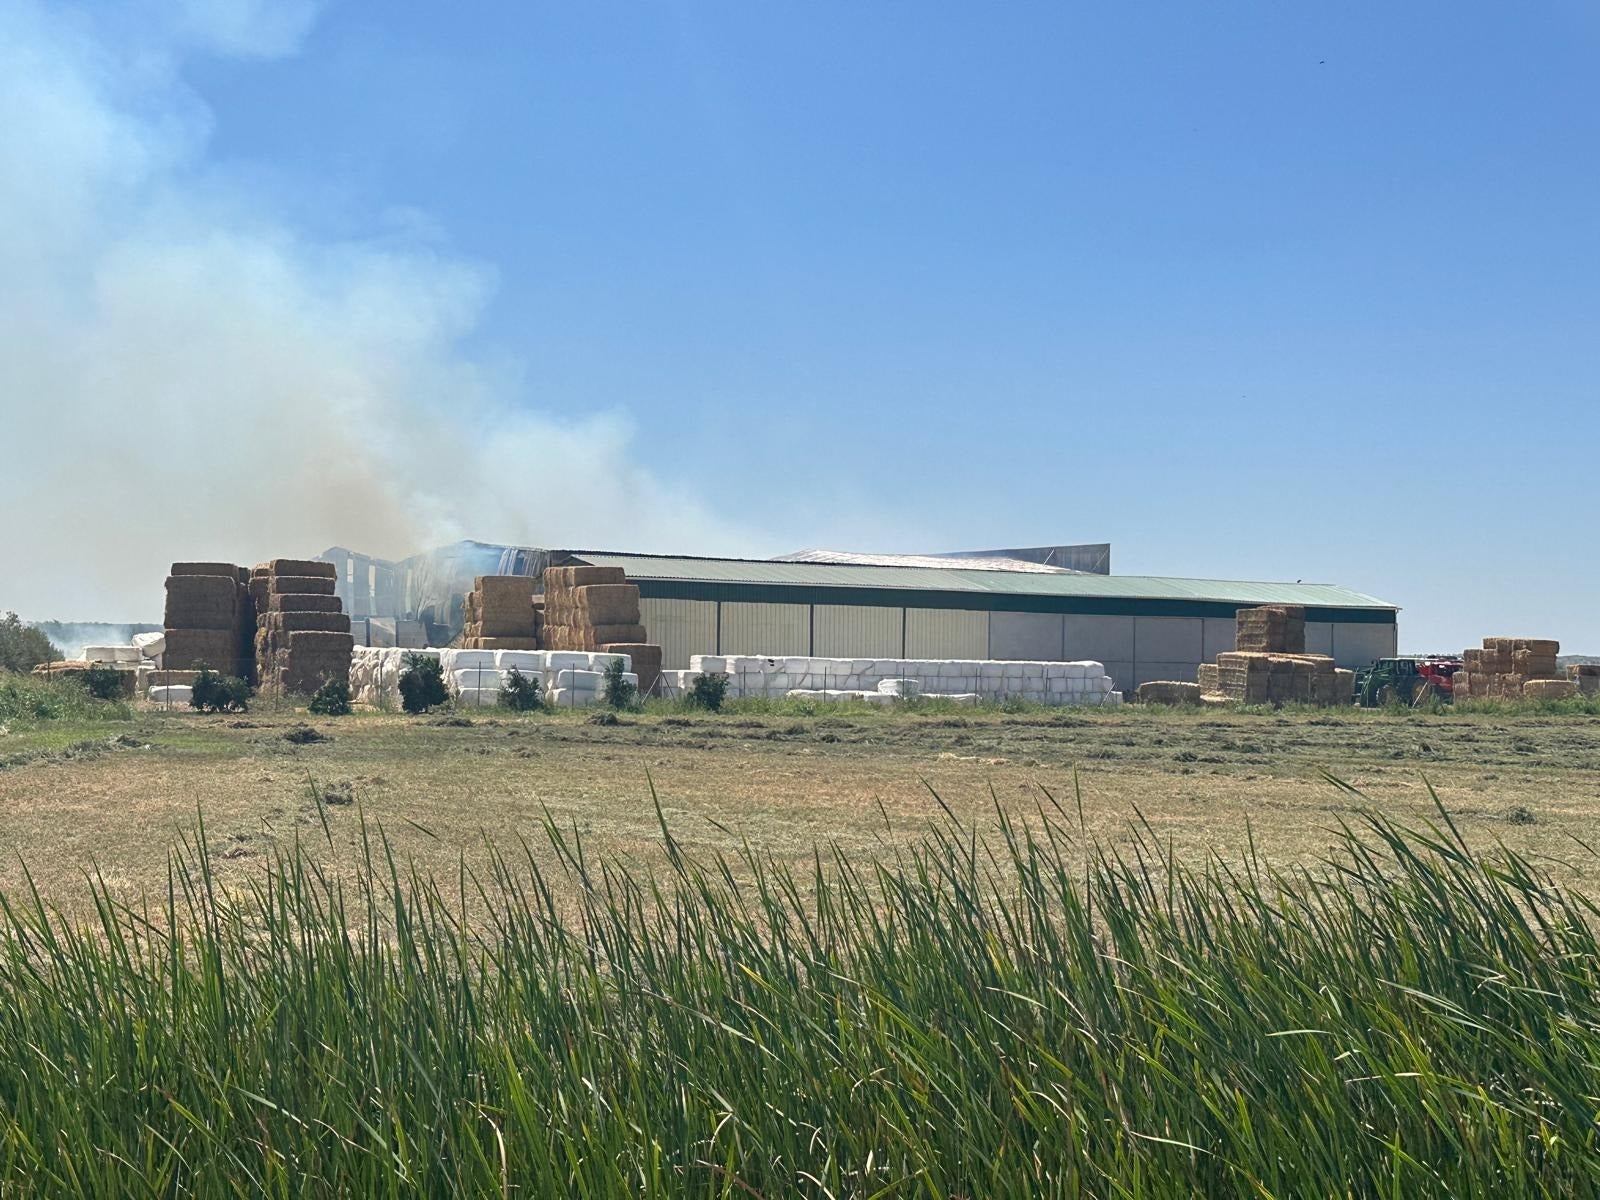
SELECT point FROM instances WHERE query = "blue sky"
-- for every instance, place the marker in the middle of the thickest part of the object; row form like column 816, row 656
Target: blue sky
column 1250, row 291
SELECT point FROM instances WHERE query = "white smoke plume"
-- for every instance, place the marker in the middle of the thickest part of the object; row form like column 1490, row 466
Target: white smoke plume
column 183, row 374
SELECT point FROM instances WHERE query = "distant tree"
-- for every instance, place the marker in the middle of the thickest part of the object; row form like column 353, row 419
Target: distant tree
column 22, row 647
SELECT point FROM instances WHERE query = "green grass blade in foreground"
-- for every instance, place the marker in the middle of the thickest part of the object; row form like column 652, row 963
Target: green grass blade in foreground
column 973, row 1014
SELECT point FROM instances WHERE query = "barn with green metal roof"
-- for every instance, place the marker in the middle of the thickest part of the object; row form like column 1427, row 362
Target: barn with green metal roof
column 1142, row 627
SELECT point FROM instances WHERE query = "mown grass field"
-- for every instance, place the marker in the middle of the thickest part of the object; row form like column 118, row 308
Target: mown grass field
column 845, row 954
column 858, row 779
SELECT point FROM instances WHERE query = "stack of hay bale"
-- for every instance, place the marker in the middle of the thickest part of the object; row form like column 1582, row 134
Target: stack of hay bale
column 1269, row 664
column 597, row 609
column 302, row 634
column 1585, row 677
column 1270, row 629
column 1508, row 668
column 208, row 621
column 500, row 614
column 1168, row 691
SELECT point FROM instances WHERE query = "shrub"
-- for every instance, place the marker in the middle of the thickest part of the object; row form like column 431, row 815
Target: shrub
column 520, row 693
column 22, row 647
column 34, row 698
column 104, row 683
column 616, row 689
column 422, row 684
column 332, row 699
column 215, row 693
column 708, row 692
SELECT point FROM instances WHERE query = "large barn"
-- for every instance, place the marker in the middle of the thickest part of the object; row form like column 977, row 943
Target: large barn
column 999, row 604
column 1141, row 627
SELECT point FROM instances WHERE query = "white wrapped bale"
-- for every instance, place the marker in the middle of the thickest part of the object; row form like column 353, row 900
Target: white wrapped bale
column 572, row 698
column 580, row 679
column 469, row 678
column 900, row 687
column 486, row 697
column 111, row 654
column 456, row 660
column 523, row 660
column 171, row 694
column 150, row 645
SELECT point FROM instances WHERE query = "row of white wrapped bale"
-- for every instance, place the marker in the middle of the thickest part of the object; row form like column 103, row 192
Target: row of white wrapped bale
column 569, row 678
column 144, row 650
column 966, row 680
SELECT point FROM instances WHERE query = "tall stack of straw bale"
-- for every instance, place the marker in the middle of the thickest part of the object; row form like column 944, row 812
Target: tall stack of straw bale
column 597, row 609
column 1507, row 668
column 302, row 632
column 1270, row 629
column 1270, row 665
column 500, row 614
column 208, row 618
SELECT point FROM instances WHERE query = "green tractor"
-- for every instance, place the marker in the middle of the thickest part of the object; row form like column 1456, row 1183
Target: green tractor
column 1409, row 680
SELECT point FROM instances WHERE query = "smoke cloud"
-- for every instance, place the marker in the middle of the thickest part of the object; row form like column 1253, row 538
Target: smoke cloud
column 184, row 374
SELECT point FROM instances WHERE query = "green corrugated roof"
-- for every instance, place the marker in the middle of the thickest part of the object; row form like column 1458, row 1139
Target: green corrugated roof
column 963, row 579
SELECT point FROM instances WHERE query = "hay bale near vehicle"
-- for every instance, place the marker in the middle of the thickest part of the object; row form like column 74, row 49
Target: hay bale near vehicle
column 1504, row 667
column 1270, row 665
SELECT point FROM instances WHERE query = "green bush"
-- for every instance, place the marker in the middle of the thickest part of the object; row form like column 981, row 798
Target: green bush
column 332, row 699
column 35, row 698
column 422, row 684
column 521, row 694
column 215, row 693
column 22, row 647
column 104, row 683
column 707, row 692
column 616, row 689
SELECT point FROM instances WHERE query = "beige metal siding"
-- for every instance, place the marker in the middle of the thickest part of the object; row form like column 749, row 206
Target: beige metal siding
column 946, row 633
column 765, row 628
column 1030, row 636
column 856, row 631
column 680, row 628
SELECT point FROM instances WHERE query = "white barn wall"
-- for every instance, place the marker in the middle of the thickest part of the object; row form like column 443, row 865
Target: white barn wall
column 946, row 633
column 1036, row 637
column 680, row 628
column 1361, row 645
column 1107, row 639
column 856, row 631
column 1221, row 634
column 1168, row 640
column 755, row 628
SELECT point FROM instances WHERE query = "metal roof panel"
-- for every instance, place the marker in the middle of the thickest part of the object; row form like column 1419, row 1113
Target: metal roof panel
column 977, row 580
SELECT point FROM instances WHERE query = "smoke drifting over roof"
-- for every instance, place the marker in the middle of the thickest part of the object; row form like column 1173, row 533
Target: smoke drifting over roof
column 185, row 374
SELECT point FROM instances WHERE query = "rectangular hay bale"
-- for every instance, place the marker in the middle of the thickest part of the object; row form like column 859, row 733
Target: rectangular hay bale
column 303, row 566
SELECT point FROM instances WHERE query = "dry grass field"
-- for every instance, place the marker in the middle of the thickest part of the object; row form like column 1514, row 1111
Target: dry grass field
column 113, row 797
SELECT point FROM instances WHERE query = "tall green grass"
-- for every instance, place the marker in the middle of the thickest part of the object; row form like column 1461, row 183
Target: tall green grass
column 25, row 699
column 972, row 1016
